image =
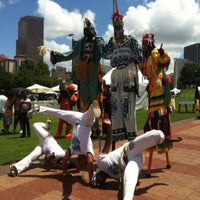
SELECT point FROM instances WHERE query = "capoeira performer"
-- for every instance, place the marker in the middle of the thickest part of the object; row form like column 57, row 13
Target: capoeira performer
column 125, row 162
column 48, row 146
column 81, row 143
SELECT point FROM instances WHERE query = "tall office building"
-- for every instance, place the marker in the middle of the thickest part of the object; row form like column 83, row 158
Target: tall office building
column 30, row 37
column 192, row 53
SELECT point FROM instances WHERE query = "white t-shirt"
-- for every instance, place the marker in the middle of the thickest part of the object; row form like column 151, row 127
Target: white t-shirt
column 2, row 103
column 50, row 145
column 109, row 163
column 81, row 142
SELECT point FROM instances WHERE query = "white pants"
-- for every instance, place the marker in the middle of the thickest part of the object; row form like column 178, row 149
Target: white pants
column 82, row 123
column 73, row 117
column 136, row 159
column 47, row 143
column 26, row 161
column 134, row 151
column 131, row 175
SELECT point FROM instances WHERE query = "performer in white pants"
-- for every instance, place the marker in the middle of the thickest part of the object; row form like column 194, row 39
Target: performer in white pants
column 81, row 143
column 125, row 162
column 48, row 146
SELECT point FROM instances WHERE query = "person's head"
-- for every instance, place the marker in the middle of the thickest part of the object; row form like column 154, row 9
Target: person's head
column 99, row 178
column 89, row 30
column 118, row 24
column 24, row 94
column 71, row 88
column 2, row 91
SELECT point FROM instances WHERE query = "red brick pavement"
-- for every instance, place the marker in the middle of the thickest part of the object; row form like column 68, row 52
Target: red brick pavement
column 180, row 182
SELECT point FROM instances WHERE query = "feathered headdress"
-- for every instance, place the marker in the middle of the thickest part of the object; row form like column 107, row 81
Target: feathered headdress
column 43, row 50
column 117, row 17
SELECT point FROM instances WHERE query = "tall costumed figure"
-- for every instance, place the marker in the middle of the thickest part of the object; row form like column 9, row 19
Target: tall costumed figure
column 154, row 66
column 88, row 69
column 124, row 53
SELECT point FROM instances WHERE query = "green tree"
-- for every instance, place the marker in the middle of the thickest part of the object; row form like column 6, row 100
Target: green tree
column 189, row 75
column 31, row 72
column 6, row 79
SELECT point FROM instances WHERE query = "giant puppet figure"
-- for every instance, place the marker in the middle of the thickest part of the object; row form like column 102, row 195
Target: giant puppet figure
column 124, row 53
column 155, row 63
column 88, row 67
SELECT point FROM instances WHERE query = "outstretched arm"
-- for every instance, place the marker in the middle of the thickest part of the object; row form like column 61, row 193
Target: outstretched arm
column 108, row 140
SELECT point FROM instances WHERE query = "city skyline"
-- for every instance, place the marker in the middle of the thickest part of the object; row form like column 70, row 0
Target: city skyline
column 175, row 23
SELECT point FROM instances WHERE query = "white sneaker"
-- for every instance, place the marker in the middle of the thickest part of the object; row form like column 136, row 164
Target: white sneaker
column 96, row 108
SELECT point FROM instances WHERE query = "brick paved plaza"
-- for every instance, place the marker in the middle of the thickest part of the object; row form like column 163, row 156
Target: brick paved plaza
column 180, row 182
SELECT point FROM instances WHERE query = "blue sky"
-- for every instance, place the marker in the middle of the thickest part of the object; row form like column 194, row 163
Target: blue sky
column 175, row 23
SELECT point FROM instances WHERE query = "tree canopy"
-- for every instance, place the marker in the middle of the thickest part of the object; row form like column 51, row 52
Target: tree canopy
column 189, row 75
column 28, row 74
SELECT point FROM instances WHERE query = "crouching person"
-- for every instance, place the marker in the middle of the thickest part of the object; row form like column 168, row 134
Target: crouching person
column 125, row 162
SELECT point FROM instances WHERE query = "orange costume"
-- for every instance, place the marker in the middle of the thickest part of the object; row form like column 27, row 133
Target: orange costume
column 66, row 100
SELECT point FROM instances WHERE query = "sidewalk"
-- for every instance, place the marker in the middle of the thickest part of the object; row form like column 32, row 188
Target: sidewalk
column 180, row 182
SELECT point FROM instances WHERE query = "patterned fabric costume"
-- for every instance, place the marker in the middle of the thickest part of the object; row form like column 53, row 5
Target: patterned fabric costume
column 88, row 68
column 124, row 53
column 155, row 61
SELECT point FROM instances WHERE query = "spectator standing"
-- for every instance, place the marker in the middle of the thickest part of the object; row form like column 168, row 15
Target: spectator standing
column 3, row 99
column 197, row 99
column 8, row 113
column 25, row 107
column 16, row 104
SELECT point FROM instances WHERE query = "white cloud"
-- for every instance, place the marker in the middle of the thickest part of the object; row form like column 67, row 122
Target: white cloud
column 2, row 5
column 175, row 23
column 59, row 22
column 13, row 1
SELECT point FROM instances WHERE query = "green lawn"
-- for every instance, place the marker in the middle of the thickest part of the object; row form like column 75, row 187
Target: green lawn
column 14, row 148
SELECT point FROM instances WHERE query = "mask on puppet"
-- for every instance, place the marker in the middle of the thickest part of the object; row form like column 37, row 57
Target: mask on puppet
column 118, row 24
column 89, row 30
column 147, row 43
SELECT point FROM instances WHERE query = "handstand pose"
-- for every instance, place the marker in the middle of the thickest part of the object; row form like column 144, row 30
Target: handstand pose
column 81, row 143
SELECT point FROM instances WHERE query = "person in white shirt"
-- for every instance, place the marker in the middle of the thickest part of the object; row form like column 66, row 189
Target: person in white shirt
column 125, row 162
column 81, row 142
column 3, row 100
column 47, row 146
